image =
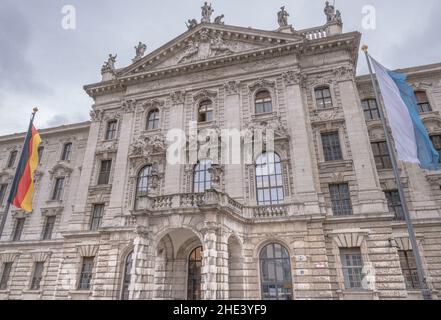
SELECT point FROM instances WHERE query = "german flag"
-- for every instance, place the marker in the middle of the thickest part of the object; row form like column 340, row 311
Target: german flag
column 23, row 187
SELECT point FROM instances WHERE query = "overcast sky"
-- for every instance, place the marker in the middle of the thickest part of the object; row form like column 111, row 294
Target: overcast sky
column 41, row 64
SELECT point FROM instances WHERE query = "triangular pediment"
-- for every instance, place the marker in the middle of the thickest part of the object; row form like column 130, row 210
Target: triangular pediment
column 208, row 41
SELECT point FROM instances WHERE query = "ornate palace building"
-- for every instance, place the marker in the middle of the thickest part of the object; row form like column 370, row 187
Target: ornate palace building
column 315, row 217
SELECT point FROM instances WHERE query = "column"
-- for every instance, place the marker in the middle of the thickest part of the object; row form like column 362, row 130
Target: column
column 120, row 167
column 142, row 284
column 173, row 173
column 371, row 198
column 301, row 159
column 233, row 172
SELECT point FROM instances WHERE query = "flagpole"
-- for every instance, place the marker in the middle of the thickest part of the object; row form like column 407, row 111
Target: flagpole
column 8, row 204
column 420, row 269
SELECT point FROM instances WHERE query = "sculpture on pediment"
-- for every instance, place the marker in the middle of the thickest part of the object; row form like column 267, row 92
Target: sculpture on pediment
column 218, row 20
column 283, row 17
column 191, row 50
column 331, row 14
column 140, row 51
column 207, row 11
column 191, row 24
column 218, row 46
column 109, row 65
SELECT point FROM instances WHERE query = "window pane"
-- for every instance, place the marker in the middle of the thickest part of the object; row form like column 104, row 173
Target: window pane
column 67, row 150
column 104, row 176
column 352, row 265
column 19, row 224
column 3, row 189
column 12, row 158
column 86, row 273
column 323, row 98
column 331, row 146
column 97, row 216
column 6, row 271
column 340, row 199
column 48, row 228
column 270, row 182
column 38, row 275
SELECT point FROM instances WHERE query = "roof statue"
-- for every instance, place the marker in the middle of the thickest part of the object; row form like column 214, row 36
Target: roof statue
column 218, row 20
column 191, row 24
column 140, row 51
column 207, row 11
column 282, row 17
column 331, row 14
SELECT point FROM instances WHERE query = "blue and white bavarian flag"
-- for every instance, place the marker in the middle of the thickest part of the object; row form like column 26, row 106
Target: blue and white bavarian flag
column 411, row 138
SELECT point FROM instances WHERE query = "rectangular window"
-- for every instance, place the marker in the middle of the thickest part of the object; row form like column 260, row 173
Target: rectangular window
column 381, row 155
column 331, row 146
column 370, row 109
column 97, row 217
column 3, row 189
column 323, row 98
column 12, row 158
column 436, row 140
column 341, row 199
column 58, row 189
column 67, row 151
column 19, row 224
column 48, row 228
column 394, row 203
column 40, row 154
column 5, row 275
column 352, row 264
column 111, row 130
column 423, row 102
column 104, row 176
column 37, row 276
column 86, row 273
column 409, row 269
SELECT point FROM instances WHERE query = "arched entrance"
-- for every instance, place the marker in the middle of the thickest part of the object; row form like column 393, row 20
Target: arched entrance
column 178, row 266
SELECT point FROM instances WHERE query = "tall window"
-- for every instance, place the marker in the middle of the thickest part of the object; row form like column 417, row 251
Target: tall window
column 86, row 273
column 381, row 155
column 341, row 199
column 370, row 108
column 3, row 188
column 409, row 269
column 202, row 176
column 127, row 277
column 269, row 179
column 37, row 276
column 153, row 120
column 331, row 146
column 6, row 272
column 323, row 98
column 275, row 270
column 394, row 204
column 436, row 140
column 352, row 264
column 111, row 130
column 18, row 230
column 104, row 176
column 58, row 189
column 144, row 180
column 48, row 228
column 205, row 112
column 194, row 274
column 97, row 217
column 40, row 154
column 422, row 102
column 12, row 158
column 263, row 102
column 67, row 152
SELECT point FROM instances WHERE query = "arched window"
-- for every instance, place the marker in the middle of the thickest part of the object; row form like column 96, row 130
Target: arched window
column 144, row 180
column 194, row 274
column 202, row 177
column 263, row 102
column 269, row 179
column 275, row 273
column 205, row 112
column 423, row 101
column 153, row 120
column 323, row 98
column 127, row 277
column 370, row 109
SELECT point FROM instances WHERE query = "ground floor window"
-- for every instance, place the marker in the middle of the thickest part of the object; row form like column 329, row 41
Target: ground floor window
column 194, row 275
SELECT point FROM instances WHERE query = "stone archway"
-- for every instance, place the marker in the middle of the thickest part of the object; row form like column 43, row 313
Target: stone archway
column 171, row 273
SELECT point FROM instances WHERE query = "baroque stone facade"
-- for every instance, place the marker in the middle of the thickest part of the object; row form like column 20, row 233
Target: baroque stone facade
column 142, row 246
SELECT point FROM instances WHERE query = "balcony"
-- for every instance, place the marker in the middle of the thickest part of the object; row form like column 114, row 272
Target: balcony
column 212, row 199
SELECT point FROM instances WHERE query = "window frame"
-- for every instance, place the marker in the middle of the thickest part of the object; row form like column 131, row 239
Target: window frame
column 104, row 175
column 18, row 229
column 367, row 107
column 394, row 204
column 12, row 159
column 111, row 130
column 323, row 102
column 127, row 277
column 272, row 181
column 5, row 275
column 422, row 106
column 331, row 145
column 265, row 102
column 66, row 155
column 206, row 108
column 145, row 178
column 343, row 200
column 153, row 123
column 195, row 263
column 40, row 154
column 267, row 263
column 86, row 275
column 410, row 273
column 58, row 189
column 48, row 228
column 97, row 216
column 436, row 141
column 202, row 168
column 3, row 192
column 358, row 269
column 37, row 276
column 381, row 154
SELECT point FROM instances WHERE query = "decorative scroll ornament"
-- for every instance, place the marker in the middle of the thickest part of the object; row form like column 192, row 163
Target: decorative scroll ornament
column 177, row 97
column 293, row 78
column 96, row 115
column 129, row 106
column 261, row 84
column 232, row 87
column 344, row 73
